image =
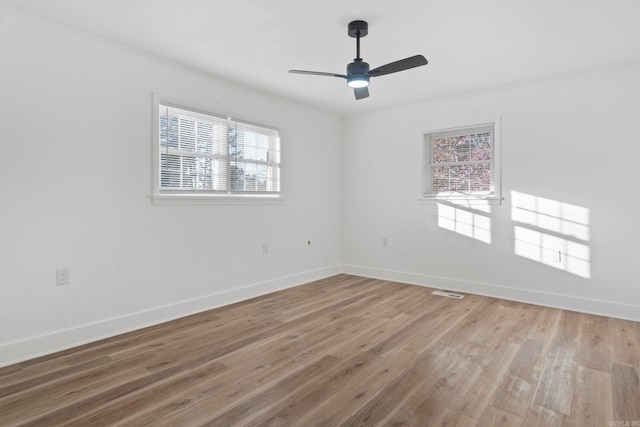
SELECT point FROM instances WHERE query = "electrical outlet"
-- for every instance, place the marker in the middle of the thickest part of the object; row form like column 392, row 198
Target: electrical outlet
column 265, row 249
column 62, row 276
column 385, row 242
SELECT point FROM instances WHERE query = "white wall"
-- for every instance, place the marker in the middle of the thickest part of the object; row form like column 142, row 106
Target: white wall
column 75, row 183
column 573, row 140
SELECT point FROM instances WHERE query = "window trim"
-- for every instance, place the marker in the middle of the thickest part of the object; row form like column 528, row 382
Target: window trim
column 204, row 198
column 496, row 170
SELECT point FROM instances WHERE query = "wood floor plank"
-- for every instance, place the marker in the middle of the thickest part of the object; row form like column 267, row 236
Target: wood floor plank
column 593, row 400
column 538, row 416
column 626, row 393
column 404, row 300
column 305, row 400
column 447, row 417
column 459, row 385
column 467, row 328
column 297, row 339
column 625, row 339
column 388, row 400
column 323, row 403
column 196, row 405
column 82, row 405
column 32, row 383
column 518, row 385
column 545, row 325
column 285, row 388
column 378, row 333
column 510, row 321
column 494, row 417
column 18, row 374
column 595, row 348
column 555, row 388
column 345, row 350
column 475, row 392
column 147, row 398
column 402, row 335
column 446, row 317
column 25, row 406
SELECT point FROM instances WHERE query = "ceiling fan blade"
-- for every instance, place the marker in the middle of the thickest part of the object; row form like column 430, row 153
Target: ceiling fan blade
column 401, row 65
column 361, row 92
column 317, row 73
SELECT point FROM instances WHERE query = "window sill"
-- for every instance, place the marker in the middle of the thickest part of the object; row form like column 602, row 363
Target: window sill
column 208, row 199
column 470, row 200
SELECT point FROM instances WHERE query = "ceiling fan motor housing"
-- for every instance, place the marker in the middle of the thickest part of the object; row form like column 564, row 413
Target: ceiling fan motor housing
column 357, row 67
column 358, row 73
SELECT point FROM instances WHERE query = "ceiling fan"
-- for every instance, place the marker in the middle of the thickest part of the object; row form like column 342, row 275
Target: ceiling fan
column 358, row 73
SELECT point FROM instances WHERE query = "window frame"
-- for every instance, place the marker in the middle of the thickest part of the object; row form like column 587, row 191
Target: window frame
column 162, row 196
column 495, row 195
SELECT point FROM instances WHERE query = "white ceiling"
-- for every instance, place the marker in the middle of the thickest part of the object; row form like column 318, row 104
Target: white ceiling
column 471, row 45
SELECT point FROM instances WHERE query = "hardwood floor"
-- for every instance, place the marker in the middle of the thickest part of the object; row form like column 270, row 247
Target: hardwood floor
column 343, row 351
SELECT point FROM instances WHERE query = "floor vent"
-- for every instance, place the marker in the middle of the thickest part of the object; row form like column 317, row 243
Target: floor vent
column 447, row 294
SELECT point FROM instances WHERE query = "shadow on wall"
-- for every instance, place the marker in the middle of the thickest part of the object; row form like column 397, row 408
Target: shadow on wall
column 552, row 233
column 471, row 220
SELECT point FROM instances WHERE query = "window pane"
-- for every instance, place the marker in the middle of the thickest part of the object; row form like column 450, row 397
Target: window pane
column 442, row 150
column 187, row 134
column 480, row 177
column 187, row 172
column 170, row 167
column 481, row 146
column 262, row 171
column 204, row 141
column 460, row 148
column 204, row 173
column 254, row 142
column 170, row 130
column 459, row 180
column 252, row 146
column 252, row 177
column 237, row 177
column 164, row 132
column 440, row 179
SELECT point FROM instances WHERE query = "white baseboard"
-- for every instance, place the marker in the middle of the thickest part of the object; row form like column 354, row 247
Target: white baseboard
column 565, row 302
column 36, row 346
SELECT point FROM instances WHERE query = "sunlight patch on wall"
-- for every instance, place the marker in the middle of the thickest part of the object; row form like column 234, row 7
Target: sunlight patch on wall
column 552, row 233
column 564, row 218
column 465, row 221
column 553, row 251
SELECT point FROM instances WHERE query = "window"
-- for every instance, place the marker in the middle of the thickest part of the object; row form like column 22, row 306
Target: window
column 461, row 163
column 201, row 154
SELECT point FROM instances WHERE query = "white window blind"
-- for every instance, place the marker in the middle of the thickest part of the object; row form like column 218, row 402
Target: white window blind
column 201, row 153
column 460, row 162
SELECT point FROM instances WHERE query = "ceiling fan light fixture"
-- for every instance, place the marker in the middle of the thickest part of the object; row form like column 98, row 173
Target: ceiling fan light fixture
column 358, row 80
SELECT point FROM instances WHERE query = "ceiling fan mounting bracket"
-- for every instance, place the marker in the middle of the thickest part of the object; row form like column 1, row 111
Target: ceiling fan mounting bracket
column 358, row 29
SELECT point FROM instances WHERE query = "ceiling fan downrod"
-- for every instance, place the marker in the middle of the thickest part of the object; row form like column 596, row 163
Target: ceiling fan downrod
column 356, row 30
